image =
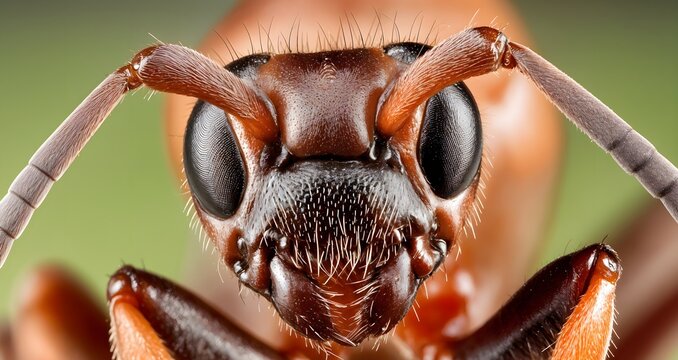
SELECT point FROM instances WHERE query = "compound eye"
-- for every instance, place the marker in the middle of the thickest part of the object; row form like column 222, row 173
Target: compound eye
column 212, row 161
column 450, row 141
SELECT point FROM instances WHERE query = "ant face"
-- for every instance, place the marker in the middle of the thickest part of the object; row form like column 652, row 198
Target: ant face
column 333, row 222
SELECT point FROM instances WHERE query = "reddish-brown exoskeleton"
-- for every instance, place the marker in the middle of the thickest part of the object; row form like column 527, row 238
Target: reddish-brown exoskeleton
column 334, row 180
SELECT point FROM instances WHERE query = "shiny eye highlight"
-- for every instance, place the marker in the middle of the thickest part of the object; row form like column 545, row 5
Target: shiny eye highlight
column 450, row 141
column 212, row 161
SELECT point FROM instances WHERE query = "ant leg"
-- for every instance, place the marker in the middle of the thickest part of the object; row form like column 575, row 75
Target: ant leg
column 6, row 350
column 647, row 299
column 56, row 318
column 565, row 311
column 152, row 316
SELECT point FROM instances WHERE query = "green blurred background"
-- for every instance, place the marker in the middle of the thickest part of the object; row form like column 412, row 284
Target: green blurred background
column 119, row 202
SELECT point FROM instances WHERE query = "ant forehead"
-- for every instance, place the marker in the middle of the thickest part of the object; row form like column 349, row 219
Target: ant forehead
column 326, row 102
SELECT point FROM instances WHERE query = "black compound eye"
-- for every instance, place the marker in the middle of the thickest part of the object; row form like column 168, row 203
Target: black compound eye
column 450, row 141
column 212, row 161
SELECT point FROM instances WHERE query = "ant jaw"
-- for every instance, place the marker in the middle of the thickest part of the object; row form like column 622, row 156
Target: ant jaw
column 338, row 307
column 346, row 313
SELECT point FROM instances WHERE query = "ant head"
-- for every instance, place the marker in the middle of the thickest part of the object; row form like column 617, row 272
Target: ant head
column 335, row 222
